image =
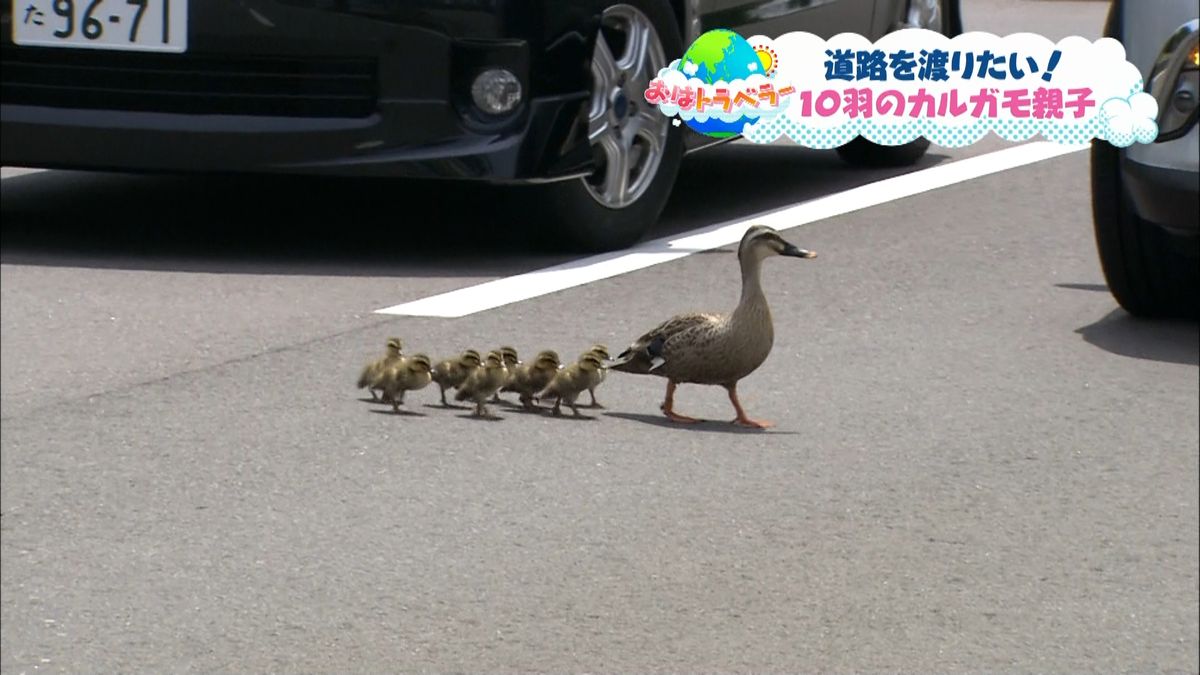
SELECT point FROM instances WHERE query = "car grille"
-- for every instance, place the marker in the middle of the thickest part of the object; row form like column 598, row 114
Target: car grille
column 189, row 83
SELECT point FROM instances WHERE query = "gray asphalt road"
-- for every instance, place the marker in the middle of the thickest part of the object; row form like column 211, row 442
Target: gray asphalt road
column 980, row 464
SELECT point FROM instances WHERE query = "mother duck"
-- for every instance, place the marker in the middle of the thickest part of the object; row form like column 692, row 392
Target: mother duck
column 709, row 348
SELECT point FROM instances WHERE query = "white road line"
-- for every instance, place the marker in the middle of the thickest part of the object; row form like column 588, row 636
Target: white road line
column 500, row 292
column 14, row 171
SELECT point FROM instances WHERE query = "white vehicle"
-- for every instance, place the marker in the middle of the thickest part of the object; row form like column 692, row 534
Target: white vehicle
column 1145, row 197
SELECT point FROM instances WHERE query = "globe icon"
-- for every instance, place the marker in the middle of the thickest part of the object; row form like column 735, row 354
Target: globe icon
column 720, row 55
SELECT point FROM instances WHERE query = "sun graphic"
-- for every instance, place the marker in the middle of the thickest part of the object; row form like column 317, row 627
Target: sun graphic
column 769, row 59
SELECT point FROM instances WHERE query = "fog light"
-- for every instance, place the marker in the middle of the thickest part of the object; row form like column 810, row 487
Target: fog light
column 496, row 91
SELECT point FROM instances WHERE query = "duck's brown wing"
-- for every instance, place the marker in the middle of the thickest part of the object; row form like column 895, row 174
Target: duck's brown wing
column 650, row 350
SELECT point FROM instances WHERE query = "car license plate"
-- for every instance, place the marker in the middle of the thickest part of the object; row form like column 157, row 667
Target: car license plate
column 129, row 25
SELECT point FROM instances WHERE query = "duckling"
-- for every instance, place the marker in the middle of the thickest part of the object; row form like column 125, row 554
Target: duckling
column 511, row 361
column 451, row 373
column 572, row 381
column 484, row 381
column 602, row 352
column 531, row 378
column 410, row 374
column 371, row 372
column 710, row 348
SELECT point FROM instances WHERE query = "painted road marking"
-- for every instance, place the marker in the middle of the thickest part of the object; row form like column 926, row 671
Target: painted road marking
column 505, row 291
column 14, row 171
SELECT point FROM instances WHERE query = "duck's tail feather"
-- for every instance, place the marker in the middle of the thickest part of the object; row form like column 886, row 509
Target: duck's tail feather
column 628, row 361
column 640, row 359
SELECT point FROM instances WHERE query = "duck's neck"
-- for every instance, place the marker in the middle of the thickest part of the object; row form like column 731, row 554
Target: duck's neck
column 753, row 300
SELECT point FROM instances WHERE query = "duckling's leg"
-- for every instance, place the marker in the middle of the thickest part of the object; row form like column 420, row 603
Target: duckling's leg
column 443, row 388
column 571, row 402
column 668, row 406
column 595, row 403
column 742, row 420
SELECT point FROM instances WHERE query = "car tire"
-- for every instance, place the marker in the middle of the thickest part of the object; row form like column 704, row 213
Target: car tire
column 861, row 152
column 571, row 215
column 1146, row 269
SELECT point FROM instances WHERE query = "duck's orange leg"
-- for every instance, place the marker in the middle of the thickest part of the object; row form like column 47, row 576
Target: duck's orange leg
column 742, row 420
column 668, row 407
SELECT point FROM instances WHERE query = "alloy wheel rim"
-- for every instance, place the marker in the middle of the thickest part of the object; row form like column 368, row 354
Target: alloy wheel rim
column 925, row 14
column 626, row 133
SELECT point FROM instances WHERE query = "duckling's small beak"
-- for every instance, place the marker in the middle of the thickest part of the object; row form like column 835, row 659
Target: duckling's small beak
column 794, row 252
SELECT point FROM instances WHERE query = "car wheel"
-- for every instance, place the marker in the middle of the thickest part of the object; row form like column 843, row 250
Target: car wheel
column 638, row 151
column 935, row 15
column 1147, row 272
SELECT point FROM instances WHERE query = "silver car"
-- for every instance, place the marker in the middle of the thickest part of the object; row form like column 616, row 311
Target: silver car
column 1144, row 197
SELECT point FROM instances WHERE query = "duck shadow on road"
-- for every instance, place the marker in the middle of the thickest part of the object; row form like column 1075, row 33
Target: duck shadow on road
column 398, row 413
column 1168, row 341
column 704, row 426
column 362, row 227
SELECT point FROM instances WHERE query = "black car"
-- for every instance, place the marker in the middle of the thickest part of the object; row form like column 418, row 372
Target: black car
column 537, row 92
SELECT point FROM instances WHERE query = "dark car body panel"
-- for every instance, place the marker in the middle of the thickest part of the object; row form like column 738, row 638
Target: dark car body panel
column 1164, row 196
column 354, row 87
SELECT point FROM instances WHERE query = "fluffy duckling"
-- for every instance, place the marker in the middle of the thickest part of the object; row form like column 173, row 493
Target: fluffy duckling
column 602, row 352
column 572, row 381
column 511, row 362
column 411, row 373
column 370, row 375
column 483, row 382
column 451, row 373
column 531, row 378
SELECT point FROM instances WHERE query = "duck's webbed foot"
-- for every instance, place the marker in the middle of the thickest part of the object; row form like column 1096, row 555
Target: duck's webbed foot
column 752, row 424
column 668, row 407
column 742, row 420
column 676, row 417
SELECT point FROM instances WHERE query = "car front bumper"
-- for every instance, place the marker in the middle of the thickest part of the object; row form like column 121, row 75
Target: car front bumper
column 1163, row 178
column 313, row 86
column 1165, row 196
